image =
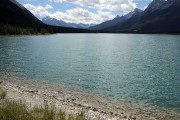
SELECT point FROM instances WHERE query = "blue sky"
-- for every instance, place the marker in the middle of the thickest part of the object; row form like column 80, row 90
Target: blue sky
column 82, row 11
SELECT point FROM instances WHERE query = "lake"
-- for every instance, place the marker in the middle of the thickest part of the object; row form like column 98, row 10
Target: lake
column 127, row 67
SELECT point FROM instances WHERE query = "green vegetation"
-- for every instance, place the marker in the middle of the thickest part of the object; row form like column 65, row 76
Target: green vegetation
column 6, row 29
column 11, row 110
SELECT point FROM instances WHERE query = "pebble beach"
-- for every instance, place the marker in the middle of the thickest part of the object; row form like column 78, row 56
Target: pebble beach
column 35, row 93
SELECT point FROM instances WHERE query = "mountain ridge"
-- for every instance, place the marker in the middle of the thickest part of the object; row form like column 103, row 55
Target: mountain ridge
column 116, row 20
column 10, row 10
column 161, row 16
column 161, row 20
column 52, row 21
column 16, row 19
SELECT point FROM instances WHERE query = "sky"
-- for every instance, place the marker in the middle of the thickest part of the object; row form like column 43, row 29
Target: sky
column 82, row 11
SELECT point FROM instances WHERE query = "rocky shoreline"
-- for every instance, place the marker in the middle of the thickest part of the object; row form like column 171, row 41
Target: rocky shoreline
column 72, row 101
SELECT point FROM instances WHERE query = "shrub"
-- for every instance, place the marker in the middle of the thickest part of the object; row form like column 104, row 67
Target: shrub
column 2, row 94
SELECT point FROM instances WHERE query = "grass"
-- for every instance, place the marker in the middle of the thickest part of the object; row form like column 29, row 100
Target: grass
column 11, row 110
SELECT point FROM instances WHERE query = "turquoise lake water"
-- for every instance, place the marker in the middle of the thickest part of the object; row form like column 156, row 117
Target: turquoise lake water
column 128, row 67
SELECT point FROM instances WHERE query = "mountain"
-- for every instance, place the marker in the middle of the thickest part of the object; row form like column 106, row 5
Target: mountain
column 16, row 19
column 52, row 21
column 116, row 20
column 11, row 12
column 161, row 16
column 158, row 4
column 80, row 25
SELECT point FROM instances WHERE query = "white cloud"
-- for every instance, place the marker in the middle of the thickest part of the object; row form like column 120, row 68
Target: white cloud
column 79, row 15
column 76, row 15
column 38, row 11
column 123, row 6
column 48, row 6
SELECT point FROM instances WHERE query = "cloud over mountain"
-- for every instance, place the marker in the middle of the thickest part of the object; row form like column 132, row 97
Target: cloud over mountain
column 75, row 15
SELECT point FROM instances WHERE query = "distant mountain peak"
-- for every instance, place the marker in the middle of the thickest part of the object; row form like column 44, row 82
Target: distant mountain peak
column 138, row 10
column 117, row 16
column 133, row 13
column 161, row 16
column 118, row 19
column 47, row 17
column 55, row 22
